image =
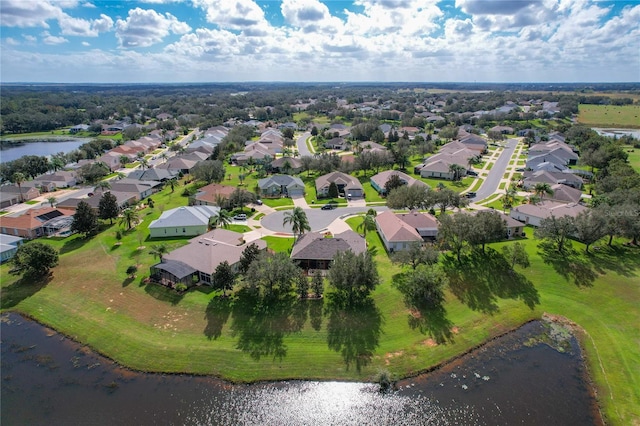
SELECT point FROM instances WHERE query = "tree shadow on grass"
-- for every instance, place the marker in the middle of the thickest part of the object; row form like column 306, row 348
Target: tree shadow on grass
column 315, row 312
column 622, row 260
column 22, row 289
column 433, row 321
column 572, row 265
column 260, row 322
column 162, row 293
column 484, row 277
column 217, row 315
column 353, row 330
column 74, row 243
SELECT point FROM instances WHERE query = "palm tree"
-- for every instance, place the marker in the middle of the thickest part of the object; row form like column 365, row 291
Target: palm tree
column 223, row 219
column 541, row 189
column 52, row 200
column 457, row 171
column 440, row 186
column 368, row 224
column 120, row 175
column 129, row 216
column 144, row 163
column 158, row 251
column 18, row 178
column 297, row 218
column 102, row 185
column 123, row 161
column 509, row 198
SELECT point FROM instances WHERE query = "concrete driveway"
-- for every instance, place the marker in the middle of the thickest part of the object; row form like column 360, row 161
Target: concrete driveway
column 318, row 219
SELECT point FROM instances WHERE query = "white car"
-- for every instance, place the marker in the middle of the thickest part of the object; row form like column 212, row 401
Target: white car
column 240, row 216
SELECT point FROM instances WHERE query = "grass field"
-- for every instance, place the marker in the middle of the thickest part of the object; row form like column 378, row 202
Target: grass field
column 623, row 116
column 634, row 157
column 150, row 328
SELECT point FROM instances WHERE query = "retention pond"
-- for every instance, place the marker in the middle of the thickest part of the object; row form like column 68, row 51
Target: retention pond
column 532, row 376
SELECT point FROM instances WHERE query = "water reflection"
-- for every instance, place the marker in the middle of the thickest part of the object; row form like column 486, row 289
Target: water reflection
column 517, row 379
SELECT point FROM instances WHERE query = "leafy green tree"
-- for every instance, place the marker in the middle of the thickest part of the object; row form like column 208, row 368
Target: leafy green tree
column 209, row 171
column 392, row 183
column 274, row 273
column 590, row 226
column 516, row 254
column 297, row 218
column 129, row 217
column 487, row 227
column 457, row 170
column 85, row 220
column 221, row 220
column 411, row 197
column 423, row 287
column 52, row 201
column 302, row 285
column 34, row 259
column 94, row 172
column 223, row 278
column 249, row 254
column 317, row 284
column 449, row 198
column 108, row 207
column 240, row 198
column 333, row 190
column 454, row 231
column 417, row 254
column 509, row 198
column 131, row 271
column 556, row 230
column 353, row 276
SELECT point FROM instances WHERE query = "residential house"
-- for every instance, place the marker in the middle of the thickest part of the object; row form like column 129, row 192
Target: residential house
column 530, row 179
column 35, row 223
column 182, row 221
column 395, row 233
column 208, row 195
column 379, row 180
column 565, row 194
column 8, row 246
column 532, row 214
column 505, row 130
column 124, row 199
column 425, row 223
column 142, row 188
column 12, row 194
column 514, row 227
column 55, row 180
column 337, row 143
column 286, row 165
column 281, row 186
column 312, row 251
column 155, row 174
column 370, row 146
column 78, row 128
column 197, row 261
column 180, row 164
column 347, row 185
column 473, row 141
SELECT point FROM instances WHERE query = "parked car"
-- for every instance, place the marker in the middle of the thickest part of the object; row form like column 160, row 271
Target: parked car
column 329, row 206
column 472, row 173
column 520, row 169
column 240, row 216
column 259, row 202
column 470, row 194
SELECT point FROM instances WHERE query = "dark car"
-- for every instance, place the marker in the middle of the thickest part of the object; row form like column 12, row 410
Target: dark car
column 328, row 207
column 470, row 194
column 472, row 173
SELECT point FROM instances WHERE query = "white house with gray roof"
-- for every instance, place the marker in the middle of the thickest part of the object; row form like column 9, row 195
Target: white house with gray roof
column 183, row 222
column 281, row 186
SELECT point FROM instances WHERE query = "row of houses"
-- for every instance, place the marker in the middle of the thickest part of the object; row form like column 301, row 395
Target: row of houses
column 550, row 161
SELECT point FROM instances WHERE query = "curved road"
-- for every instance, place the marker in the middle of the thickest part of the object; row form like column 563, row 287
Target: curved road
column 492, row 182
column 302, row 145
column 318, row 219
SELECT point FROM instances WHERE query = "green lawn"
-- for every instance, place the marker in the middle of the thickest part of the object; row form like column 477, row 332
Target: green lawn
column 634, row 157
column 151, row 328
column 625, row 116
column 278, row 202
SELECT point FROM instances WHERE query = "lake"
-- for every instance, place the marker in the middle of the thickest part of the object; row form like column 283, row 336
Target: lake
column 13, row 152
column 520, row 378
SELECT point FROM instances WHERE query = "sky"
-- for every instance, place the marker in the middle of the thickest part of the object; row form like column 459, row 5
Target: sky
column 180, row 41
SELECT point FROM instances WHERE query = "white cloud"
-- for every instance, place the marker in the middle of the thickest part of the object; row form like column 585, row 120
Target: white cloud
column 232, row 14
column 144, row 28
column 86, row 44
column 29, row 38
column 52, row 40
column 81, row 27
column 403, row 17
column 35, row 13
column 309, row 15
column 11, row 41
column 88, row 5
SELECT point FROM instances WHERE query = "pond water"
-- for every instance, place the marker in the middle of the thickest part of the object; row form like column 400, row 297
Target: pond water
column 13, row 152
column 635, row 133
column 48, row 379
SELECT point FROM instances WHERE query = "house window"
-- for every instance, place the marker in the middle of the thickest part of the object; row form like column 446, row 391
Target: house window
column 184, row 230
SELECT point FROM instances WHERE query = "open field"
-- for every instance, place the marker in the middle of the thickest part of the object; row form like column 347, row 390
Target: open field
column 625, row 116
column 151, row 328
column 634, row 157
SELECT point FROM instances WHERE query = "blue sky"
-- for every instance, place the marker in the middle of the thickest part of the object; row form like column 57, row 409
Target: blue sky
column 117, row 41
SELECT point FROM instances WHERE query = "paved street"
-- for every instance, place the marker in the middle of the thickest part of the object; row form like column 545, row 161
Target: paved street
column 318, row 219
column 492, row 182
column 302, row 145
